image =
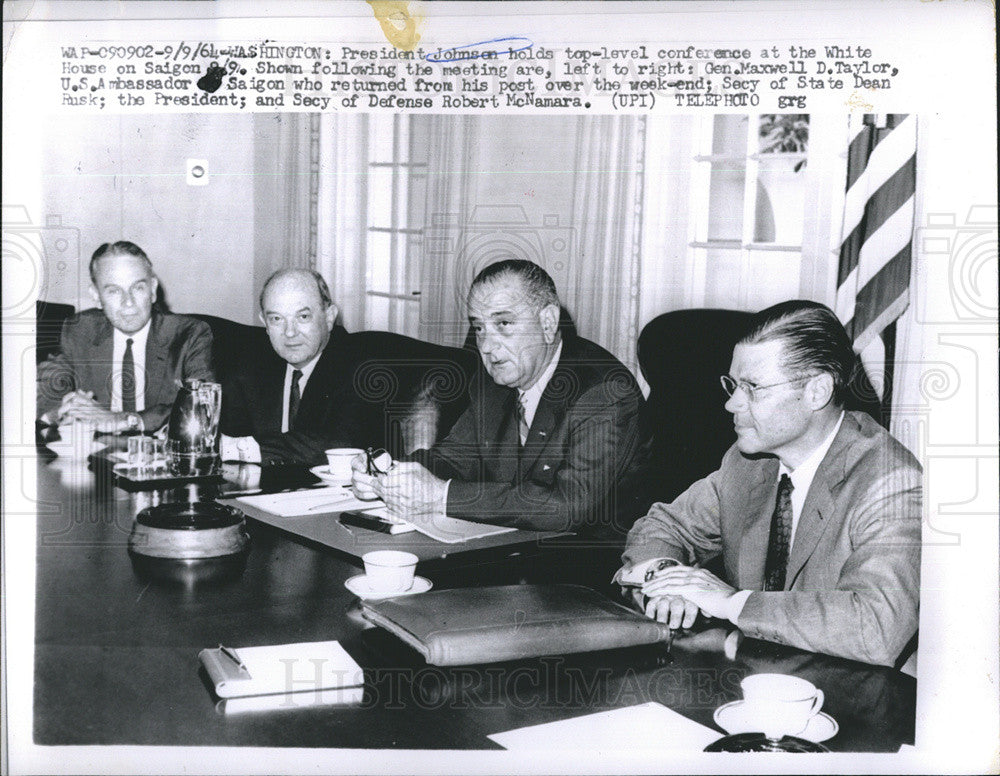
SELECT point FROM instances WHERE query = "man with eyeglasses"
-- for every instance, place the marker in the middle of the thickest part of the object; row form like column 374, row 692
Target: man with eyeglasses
column 290, row 404
column 816, row 511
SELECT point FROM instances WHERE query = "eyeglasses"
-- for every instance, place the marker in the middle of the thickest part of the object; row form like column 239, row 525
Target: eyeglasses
column 371, row 468
column 729, row 385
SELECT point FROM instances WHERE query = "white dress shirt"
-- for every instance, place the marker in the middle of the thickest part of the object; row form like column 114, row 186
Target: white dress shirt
column 138, row 359
column 286, row 392
column 529, row 399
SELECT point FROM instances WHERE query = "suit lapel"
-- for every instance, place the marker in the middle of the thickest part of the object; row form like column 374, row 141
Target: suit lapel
column 819, row 505
column 272, row 394
column 156, row 361
column 548, row 415
column 101, row 366
column 757, row 526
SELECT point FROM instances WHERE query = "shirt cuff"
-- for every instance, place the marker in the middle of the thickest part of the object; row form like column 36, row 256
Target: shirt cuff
column 735, row 605
column 244, row 449
column 637, row 575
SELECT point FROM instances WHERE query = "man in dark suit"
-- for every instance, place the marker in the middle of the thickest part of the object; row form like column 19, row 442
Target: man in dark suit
column 816, row 511
column 119, row 366
column 290, row 404
column 552, row 430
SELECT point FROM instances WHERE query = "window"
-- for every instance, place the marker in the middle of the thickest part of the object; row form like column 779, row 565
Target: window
column 754, row 209
column 397, row 178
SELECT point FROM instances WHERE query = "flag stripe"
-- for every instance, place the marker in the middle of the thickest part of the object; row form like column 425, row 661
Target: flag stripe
column 873, row 273
column 885, row 291
column 885, row 159
column 895, row 195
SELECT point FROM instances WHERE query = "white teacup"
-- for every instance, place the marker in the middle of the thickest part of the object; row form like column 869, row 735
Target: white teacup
column 389, row 571
column 338, row 460
column 782, row 704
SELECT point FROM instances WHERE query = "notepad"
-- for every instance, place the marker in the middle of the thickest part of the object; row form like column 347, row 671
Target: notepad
column 647, row 726
column 281, row 669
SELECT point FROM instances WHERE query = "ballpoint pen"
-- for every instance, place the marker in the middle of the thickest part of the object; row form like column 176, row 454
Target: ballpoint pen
column 231, row 654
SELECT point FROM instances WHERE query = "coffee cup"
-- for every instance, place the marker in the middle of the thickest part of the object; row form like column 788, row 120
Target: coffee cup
column 389, row 571
column 782, row 704
column 339, row 459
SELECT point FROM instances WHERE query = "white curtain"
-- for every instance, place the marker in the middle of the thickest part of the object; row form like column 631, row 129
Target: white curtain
column 450, row 161
column 286, row 167
column 607, row 219
column 343, row 208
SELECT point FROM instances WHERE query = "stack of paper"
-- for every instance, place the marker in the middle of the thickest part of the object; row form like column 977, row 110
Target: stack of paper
column 648, row 726
column 445, row 529
column 317, row 501
column 324, row 501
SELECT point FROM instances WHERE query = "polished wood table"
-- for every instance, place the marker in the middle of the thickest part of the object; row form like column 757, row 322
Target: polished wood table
column 116, row 655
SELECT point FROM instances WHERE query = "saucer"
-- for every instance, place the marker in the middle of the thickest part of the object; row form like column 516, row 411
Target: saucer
column 359, row 586
column 758, row 742
column 324, row 473
column 736, row 717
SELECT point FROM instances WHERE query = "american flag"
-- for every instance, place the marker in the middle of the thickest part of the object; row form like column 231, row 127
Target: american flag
column 873, row 279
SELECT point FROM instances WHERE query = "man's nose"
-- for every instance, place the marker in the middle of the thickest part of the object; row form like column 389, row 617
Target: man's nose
column 737, row 401
column 291, row 328
column 486, row 343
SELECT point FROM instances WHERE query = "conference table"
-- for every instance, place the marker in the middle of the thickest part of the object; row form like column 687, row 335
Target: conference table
column 116, row 652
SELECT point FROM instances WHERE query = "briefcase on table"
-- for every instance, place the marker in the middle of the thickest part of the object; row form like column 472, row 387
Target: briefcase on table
column 492, row 624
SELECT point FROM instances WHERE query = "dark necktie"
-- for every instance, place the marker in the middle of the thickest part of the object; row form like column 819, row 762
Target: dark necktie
column 781, row 534
column 128, row 378
column 293, row 398
column 522, row 420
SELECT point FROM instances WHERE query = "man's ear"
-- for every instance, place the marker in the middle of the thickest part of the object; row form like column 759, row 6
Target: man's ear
column 154, row 285
column 819, row 390
column 94, row 295
column 331, row 316
column 549, row 318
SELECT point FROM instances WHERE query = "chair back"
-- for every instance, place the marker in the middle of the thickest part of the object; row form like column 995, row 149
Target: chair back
column 49, row 317
column 681, row 355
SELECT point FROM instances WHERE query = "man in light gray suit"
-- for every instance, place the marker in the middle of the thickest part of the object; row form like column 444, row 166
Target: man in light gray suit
column 816, row 511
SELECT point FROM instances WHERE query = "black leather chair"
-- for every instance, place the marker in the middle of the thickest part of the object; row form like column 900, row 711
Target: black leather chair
column 681, row 355
column 49, row 317
column 423, row 387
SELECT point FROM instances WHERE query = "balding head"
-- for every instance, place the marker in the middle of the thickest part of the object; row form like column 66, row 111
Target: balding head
column 298, row 312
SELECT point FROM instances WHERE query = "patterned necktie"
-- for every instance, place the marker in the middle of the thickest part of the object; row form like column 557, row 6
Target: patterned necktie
column 293, row 398
column 128, row 378
column 781, row 533
column 522, row 420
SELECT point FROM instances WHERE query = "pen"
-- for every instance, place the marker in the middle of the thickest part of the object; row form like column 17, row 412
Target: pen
column 231, row 654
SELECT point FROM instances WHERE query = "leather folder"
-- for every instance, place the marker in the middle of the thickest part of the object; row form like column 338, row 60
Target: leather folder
column 491, row 624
